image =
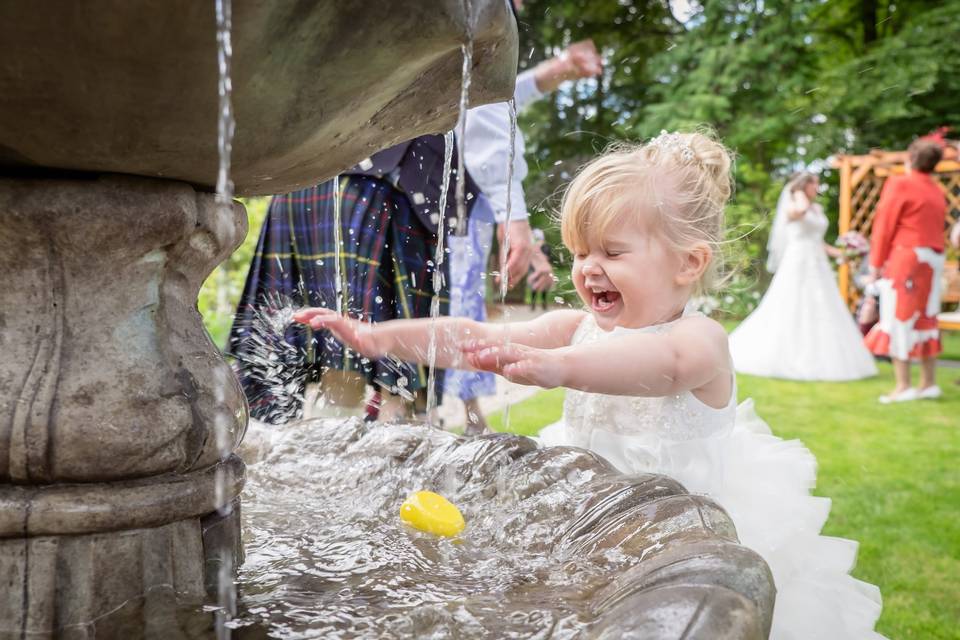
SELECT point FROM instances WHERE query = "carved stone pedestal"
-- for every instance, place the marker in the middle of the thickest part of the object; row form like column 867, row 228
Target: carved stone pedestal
column 117, row 413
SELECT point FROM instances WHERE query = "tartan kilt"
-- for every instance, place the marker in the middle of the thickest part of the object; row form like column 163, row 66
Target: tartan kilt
column 386, row 267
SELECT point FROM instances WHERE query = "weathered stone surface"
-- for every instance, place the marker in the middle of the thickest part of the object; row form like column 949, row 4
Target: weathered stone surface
column 107, row 372
column 111, row 400
column 221, row 541
column 99, row 585
column 90, row 507
column 131, row 87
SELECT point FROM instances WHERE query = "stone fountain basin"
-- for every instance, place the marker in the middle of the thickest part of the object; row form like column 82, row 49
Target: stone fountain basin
column 131, row 87
column 558, row 543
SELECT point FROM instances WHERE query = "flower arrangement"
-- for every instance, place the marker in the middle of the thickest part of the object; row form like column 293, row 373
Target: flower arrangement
column 852, row 246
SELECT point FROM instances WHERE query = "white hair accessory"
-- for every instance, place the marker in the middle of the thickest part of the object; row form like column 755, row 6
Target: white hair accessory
column 674, row 143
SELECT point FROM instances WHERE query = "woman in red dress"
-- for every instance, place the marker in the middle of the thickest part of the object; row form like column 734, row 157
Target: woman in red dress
column 906, row 254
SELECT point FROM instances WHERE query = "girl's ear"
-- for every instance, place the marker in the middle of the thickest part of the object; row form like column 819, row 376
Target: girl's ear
column 694, row 263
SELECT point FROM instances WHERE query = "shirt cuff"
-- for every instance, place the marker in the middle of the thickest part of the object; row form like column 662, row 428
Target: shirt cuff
column 518, row 204
column 526, row 90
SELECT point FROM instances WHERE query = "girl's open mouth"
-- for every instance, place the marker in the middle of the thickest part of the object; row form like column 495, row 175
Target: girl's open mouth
column 603, row 301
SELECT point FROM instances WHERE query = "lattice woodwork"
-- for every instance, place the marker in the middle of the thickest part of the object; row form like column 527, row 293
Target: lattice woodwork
column 861, row 180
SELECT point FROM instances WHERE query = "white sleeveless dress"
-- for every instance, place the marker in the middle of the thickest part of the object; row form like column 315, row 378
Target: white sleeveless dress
column 802, row 330
column 762, row 481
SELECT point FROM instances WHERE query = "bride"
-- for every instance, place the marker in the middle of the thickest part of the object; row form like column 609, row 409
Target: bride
column 801, row 330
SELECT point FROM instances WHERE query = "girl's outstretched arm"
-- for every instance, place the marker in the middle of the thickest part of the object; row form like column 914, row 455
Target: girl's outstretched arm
column 693, row 356
column 409, row 340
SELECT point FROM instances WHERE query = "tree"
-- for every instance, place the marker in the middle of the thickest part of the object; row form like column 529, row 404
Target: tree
column 784, row 83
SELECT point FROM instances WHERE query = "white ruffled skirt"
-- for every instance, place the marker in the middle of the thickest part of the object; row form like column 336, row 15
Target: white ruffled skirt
column 764, row 483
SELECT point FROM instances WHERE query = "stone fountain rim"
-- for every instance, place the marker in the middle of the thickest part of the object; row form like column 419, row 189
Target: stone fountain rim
column 86, row 507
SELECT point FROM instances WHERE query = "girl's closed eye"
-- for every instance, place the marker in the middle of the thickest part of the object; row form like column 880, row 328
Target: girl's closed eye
column 614, row 251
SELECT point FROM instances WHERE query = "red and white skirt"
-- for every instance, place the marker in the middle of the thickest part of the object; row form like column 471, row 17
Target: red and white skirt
column 910, row 292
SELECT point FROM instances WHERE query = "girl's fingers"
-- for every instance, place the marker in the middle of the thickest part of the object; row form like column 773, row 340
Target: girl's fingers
column 495, row 358
column 306, row 315
column 324, row 321
column 522, row 373
column 473, row 346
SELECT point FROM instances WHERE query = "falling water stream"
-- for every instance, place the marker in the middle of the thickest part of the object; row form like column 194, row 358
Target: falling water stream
column 226, row 589
column 504, row 274
column 337, row 246
column 289, row 582
column 461, row 208
column 438, row 275
column 464, row 107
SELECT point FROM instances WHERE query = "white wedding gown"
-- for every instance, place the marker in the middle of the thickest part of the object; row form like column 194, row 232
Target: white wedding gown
column 802, row 330
column 762, row 481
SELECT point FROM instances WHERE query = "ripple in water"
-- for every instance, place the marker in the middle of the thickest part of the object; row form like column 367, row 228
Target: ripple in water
column 327, row 555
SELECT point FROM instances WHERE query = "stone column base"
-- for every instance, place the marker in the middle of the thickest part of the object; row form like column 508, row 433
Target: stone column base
column 112, row 570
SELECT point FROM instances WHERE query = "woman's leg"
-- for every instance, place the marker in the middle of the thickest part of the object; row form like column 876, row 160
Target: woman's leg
column 901, row 373
column 928, row 371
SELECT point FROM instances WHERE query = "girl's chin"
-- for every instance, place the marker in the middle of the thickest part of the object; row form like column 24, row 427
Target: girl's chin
column 606, row 320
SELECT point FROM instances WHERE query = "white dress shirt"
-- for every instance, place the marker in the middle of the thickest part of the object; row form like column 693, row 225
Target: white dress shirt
column 487, row 151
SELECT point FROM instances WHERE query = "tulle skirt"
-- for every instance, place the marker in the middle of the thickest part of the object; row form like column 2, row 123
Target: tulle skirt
column 764, row 483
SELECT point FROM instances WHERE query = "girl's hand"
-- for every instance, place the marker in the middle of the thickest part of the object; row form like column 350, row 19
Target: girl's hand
column 359, row 336
column 517, row 363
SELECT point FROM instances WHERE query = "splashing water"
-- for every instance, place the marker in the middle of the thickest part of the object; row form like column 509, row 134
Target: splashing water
column 467, row 50
column 548, row 533
column 504, row 275
column 226, row 589
column 277, row 369
column 557, row 544
column 461, row 215
column 338, row 246
column 225, row 122
column 437, row 275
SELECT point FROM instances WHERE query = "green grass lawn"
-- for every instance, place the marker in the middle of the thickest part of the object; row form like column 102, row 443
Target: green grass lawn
column 893, row 473
column 951, row 345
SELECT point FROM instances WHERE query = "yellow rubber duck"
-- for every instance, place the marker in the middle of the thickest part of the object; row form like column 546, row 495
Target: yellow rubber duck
column 431, row 512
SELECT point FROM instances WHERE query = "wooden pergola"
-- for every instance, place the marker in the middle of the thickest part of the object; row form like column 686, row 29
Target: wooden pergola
column 861, row 179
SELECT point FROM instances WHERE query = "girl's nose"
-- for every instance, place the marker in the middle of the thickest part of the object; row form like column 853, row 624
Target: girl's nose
column 590, row 268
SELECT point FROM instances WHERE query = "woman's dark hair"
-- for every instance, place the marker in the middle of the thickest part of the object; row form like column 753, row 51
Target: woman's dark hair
column 924, row 154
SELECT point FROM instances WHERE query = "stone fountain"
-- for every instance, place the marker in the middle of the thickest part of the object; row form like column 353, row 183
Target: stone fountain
column 112, row 396
column 111, row 393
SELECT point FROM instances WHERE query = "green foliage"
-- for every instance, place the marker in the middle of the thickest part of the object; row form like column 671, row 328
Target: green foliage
column 784, row 83
column 221, row 291
column 904, row 83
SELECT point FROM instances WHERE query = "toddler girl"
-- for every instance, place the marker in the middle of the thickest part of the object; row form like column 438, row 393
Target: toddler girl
column 650, row 385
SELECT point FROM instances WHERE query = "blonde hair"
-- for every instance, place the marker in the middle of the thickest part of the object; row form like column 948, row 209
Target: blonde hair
column 680, row 182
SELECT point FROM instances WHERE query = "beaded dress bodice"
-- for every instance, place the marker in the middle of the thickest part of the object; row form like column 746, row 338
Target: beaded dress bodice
column 671, row 418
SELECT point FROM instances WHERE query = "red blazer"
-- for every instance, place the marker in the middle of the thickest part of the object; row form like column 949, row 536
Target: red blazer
column 912, row 212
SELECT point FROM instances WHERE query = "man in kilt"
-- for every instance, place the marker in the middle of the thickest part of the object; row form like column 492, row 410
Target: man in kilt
column 389, row 220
